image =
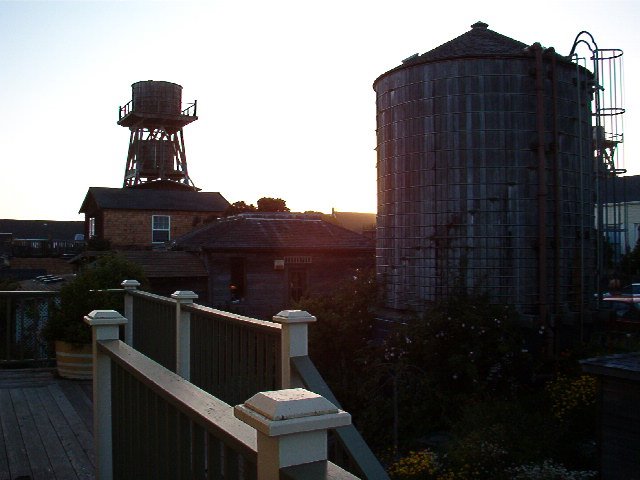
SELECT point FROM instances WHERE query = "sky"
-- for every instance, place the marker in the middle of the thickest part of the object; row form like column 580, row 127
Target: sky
column 286, row 106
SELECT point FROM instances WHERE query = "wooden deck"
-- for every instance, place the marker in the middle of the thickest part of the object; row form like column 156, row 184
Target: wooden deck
column 45, row 427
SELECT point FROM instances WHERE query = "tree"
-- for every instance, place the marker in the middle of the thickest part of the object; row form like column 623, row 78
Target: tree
column 268, row 204
column 239, row 207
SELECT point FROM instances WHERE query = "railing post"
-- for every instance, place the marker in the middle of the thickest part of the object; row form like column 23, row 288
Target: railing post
column 105, row 325
column 291, row 428
column 183, row 333
column 129, row 286
column 294, row 342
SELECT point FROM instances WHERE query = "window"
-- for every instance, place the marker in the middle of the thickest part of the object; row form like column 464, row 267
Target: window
column 92, row 227
column 160, row 226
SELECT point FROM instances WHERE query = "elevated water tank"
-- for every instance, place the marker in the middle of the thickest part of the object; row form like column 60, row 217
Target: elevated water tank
column 156, row 157
column 485, row 176
column 151, row 96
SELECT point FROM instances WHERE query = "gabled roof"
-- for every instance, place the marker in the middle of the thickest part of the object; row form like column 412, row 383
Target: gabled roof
column 151, row 199
column 273, row 231
column 42, row 229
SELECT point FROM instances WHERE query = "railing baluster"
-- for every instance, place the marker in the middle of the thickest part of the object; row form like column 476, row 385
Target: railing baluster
column 214, row 458
column 174, row 445
column 231, row 464
column 184, row 447
column 197, row 452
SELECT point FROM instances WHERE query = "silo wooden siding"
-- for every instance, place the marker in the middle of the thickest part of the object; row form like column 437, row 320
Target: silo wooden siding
column 458, row 181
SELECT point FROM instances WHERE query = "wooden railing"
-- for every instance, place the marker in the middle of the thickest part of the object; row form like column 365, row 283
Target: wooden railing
column 22, row 317
column 154, row 328
column 151, row 423
column 234, row 357
column 164, row 427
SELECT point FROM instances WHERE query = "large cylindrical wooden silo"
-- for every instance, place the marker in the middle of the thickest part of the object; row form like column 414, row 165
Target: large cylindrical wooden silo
column 485, row 176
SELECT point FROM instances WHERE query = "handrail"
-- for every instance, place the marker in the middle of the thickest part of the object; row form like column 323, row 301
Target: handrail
column 260, row 325
column 197, row 404
column 124, row 111
column 191, row 110
column 153, row 297
column 151, row 423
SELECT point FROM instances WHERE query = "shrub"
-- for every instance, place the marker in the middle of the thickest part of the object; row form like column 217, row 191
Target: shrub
column 417, row 465
column 468, row 347
column 570, row 397
column 83, row 294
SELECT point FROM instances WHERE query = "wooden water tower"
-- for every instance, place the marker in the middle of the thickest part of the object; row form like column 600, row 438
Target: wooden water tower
column 155, row 118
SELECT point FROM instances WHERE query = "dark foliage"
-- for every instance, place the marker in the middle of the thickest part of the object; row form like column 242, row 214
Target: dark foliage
column 268, row 204
column 238, row 207
column 82, row 295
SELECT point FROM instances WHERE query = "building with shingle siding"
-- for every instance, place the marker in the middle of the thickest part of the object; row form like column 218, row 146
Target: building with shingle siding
column 146, row 217
column 261, row 263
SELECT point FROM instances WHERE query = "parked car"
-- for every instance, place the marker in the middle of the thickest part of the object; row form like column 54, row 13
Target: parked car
column 631, row 290
column 623, row 309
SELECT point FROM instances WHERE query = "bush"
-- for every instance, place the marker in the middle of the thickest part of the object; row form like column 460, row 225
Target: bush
column 417, row 465
column 82, row 295
column 468, row 347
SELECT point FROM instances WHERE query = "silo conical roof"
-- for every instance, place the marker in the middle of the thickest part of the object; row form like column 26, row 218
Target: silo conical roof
column 478, row 41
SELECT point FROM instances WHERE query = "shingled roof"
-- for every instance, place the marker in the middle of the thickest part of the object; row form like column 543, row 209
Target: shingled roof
column 273, row 231
column 478, row 42
column 150, row 199
column 42, row 229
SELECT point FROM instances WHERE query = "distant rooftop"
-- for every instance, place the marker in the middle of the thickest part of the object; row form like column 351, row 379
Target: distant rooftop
column 273, row 231
column 42, row 229
column 130, row 198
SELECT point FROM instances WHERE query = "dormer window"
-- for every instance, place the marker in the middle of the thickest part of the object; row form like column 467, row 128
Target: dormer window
column 160, row 228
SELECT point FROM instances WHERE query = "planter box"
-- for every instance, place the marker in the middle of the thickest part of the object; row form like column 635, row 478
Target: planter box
column 74, row 361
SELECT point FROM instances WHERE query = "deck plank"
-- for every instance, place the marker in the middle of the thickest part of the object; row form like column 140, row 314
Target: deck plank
column 4, row 462
column 76, row 393
column 36, row 453
column 17, row 460
column 75, row 421
column 45, row 426
column 77, row 455
column 60, row 464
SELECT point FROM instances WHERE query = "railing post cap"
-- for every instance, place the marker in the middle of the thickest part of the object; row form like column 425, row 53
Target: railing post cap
column 104, row 317
column 294, row 316
column 184, row 295
column 294, row 410
column 130, row 284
